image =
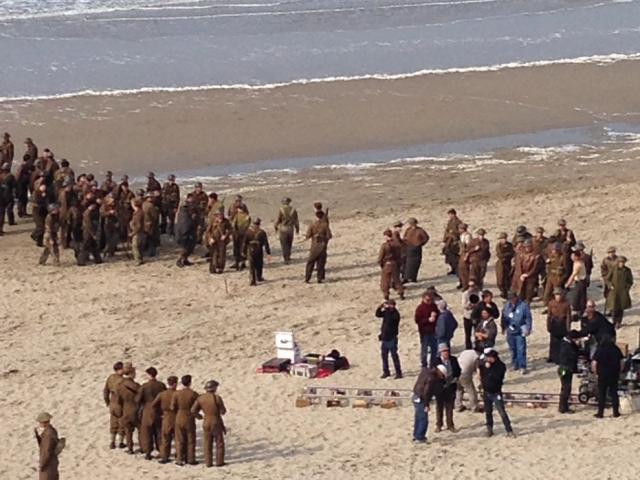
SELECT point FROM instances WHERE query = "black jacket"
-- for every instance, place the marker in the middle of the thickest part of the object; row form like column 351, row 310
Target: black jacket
column 455, row 366
column 492, row 378
column 476, row 313
column 568, row 356
column 608, row 357
column 390, row 323
column 599, row 327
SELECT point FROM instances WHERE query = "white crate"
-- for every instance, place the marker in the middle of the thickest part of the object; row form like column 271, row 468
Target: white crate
column 304, row 370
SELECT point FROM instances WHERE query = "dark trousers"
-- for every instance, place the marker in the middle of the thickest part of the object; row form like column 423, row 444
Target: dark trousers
column 7, row 209
column 256, row 264
column 89, row 248
column 187, row 249
column 167, row 219
column 566, row 377
column 412, row 263
column 468, row 333
column 386, row 348
column 444, row 405
column 286, row 240
column 22, row 194
column 491, row 400
column 554, row 348
column 617, row 317
column 610, row 386
column 238, row 250
column 111, row 239
column 38, row 219
column 3, row 209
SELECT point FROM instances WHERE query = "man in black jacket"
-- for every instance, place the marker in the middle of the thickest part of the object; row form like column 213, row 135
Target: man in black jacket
column 596, row 325
column 430, row 383
column 186, row 230
column 567, row 366
column 607, row 363
column 389, row 337
column 492, row 372
column 445, row 402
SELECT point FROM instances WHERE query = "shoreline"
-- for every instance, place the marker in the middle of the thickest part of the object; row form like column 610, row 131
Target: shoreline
column 167, row 131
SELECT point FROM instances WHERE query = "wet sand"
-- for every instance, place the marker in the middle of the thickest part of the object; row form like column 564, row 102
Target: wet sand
column 171, row 131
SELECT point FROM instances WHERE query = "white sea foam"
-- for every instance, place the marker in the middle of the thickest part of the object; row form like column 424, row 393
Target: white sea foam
column 593, row 59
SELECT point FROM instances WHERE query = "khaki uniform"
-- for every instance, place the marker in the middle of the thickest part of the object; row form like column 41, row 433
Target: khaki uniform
column 320, row 234
column 127, row 392
column 605, row 267
column 555, row 275
column 109, row 216
column 48, row 463
column 125, row 212
column 286, row 223
column 136, row 230
column 51, row 238
column 185, row 426
column 240, row 224
column 110, row 396
column 7, row 152
column 90, row 236
column 568, row 240
column 151, row 420
column 526, row 263
column 479, row 253
column 451, row 248
column 8, row 188
column 504, row 255
column 213, row 427
column 217, row 237
column 163, row 402
column 200, row 201
column 389, row 261
column 151, row 226
column 463, row 260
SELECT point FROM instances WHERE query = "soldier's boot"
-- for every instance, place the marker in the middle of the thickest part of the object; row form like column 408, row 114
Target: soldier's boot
column 122, row 444
column 220, row 451
column 180, row 263
column 43, row 258
column 112, row 445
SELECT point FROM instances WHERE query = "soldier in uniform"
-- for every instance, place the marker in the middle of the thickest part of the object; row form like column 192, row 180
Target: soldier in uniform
column 8, row 186
column 525, row 279
column 214, row 205
column 51, row 230
column 568, row 240
column 201, row 201
column 185, row 426
column 150, row 421
column 286, row 223
column 237, row 204
column 607, row 264
column 39, row 209
column 151, row 224
column 587, row 258
column 558, row 323
column 68, row 201
column 217, row 237
column 540, row 247
column 240, row 223
column 320, row 234
column 7, row 150
column 186, row 230
column 464, row 237
column 32, row 149
column 255, row 245
column 110, row 227
column 127, row 393
column 152, row 184
column 136, row 230
column 478, row 255
column 504, row 256
column 163, row 402
column 619, row 280
column 49, row 446
column 110, row 396
column 170, row 202
column 65, row 172
column 213, row 428
column 396, row 232
column 555, row 273
column 389, row 260
column 415, row 238
column 108, row 185
column 23, row 184
column 450, row 242
column 90, row 235
column 124, row 197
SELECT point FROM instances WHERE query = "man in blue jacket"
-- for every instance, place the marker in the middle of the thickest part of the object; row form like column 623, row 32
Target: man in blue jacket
column 517, row 323
column 446, row 324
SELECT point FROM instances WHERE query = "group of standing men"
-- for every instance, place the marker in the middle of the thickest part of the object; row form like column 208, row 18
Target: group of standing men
column 162, row 414
column 95, row 220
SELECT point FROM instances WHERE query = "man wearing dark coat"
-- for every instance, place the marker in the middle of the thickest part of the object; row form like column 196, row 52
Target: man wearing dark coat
column 619, row 281
column 415, row 238
column 186, row 231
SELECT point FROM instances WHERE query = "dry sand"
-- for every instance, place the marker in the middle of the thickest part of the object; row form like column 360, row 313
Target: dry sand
column 62, row 328
column 180, row 131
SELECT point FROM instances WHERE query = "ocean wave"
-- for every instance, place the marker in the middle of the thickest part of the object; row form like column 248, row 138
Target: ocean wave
column 593, row 59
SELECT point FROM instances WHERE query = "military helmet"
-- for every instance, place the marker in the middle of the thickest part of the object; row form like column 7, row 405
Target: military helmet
column 211, row 385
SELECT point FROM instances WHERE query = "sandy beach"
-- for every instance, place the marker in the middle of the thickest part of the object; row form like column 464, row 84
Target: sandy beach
column 179, row 131
column 62, row 328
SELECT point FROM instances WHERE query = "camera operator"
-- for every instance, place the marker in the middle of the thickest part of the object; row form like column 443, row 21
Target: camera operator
column 389, row 337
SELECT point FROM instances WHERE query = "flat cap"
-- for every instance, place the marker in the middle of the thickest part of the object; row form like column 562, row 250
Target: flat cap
column 611, row 250
column 443, row 347
column 43, row 417
column 622, row 259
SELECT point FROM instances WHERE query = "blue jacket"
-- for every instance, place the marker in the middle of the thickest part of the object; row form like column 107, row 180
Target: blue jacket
column 446, row 326
column 516, row 319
